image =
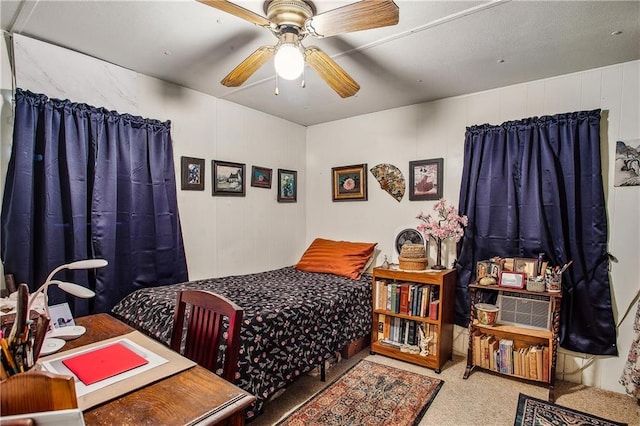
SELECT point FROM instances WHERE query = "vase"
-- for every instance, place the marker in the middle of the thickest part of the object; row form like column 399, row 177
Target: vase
column 438, row 264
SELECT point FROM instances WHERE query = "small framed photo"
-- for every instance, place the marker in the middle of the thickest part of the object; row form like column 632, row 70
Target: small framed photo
column 260, row 177
column 287, row 186
column 349, row 183
column 512, row 279
column 61, row 315
column 527, row 266
column 495, row 269
column 426, row 179
column 192, row 173
column 482, row 269
column 228, row 178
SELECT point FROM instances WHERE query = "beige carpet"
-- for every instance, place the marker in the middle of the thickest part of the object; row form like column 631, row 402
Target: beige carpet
column 482, row 399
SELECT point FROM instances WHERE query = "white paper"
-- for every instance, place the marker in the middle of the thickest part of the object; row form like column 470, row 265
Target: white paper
column 56, row 366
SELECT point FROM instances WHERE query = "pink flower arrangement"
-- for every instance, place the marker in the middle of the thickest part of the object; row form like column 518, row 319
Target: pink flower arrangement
column 448, row 223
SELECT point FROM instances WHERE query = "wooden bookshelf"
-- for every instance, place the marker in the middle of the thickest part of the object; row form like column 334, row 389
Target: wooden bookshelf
column 523, row 337
column 441, row 285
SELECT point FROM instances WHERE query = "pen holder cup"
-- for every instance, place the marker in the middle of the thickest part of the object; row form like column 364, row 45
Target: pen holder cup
column 553, row 283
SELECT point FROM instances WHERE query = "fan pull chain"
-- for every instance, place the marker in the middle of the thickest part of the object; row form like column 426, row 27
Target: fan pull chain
column 303, row 83
column 277, row 92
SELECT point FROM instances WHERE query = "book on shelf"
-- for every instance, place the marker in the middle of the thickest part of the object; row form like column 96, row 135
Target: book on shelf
column 433, row 309
column 494, row 350
column 381, row 294
column 533, row 369
column 539, row 360
column 381, row 319
column 404, row 299
column 545, row 364
column 424, row 302
column 391, row 343
column 526, row 362
column 477, row 336
column 396, row 298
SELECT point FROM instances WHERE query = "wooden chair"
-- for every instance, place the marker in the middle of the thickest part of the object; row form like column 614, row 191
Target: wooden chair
column 205, row 331
column 37, row 391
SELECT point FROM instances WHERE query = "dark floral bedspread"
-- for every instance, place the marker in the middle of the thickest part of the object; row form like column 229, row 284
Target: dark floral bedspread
column 292, row 321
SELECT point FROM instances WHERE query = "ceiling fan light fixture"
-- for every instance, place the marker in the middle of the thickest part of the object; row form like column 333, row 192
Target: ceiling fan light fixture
column 289, row 62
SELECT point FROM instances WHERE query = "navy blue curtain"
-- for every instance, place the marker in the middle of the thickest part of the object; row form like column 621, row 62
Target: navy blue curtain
column 532, row 186
column 84, row 182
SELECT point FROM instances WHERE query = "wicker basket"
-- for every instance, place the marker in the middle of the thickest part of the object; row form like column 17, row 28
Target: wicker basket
column 413, row 257
column 412, row 264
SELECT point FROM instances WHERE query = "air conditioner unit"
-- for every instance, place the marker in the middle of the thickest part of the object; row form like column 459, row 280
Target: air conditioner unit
column 525, row 310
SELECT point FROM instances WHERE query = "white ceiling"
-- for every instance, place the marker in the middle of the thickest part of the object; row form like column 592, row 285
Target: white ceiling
column 439, row 48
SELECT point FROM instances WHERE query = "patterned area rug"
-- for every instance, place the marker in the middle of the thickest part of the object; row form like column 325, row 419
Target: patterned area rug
column 369, row 394
column 536, row 412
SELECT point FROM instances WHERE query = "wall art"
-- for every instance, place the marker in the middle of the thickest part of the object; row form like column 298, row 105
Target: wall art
column 426, row 179
column 349, row 183
column 627, row 166
column 192, row 173
column 287, row 186
column 228, row 178
column 390, row 179
column 260, row 177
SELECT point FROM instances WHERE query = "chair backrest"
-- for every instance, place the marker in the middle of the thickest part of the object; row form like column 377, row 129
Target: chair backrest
column 37, row 391
column 205, row 331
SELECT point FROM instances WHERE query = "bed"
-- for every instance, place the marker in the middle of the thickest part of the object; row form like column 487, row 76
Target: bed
column 293, row 321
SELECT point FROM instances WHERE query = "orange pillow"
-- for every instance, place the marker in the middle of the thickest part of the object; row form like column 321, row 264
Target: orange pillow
column 342, row 258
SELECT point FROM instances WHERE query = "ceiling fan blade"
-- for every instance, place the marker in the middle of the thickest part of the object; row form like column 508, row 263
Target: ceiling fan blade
column 331, row 72
column 239, row 11
column 362, row 15
column 242, row 72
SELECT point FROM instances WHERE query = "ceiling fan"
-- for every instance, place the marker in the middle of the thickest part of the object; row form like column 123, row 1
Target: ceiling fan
column 291, row 21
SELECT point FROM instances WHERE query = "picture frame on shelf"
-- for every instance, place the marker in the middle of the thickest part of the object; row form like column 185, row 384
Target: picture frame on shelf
column 287, row 186
column 228, row 179
column 192, row 174
column 495, row 269
column 512, row 279
column 482, row 269
column 528, row 266
column 261, row 177
column 349, row 183
column 426, row 179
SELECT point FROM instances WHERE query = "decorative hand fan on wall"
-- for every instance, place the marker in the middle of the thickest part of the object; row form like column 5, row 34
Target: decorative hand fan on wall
column 291, row 21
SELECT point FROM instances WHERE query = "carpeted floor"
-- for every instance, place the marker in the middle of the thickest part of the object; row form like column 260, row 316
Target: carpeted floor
column 369, row 394
column 483, row 398
column 535, row 412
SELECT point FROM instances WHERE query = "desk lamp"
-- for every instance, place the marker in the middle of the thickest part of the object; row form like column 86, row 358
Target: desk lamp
column 71, row 288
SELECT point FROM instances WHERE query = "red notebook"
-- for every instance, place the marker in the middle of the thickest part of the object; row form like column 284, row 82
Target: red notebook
column 100, row 364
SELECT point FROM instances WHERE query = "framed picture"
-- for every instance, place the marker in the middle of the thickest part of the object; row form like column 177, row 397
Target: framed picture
column 512, row 279
column 527, row 266
column 425, row 179
column 482, row 269
column 349, row 183
column 228, row 178
column 192, row 173
column 287, row 186
column 260, row 177
column 61, row 315
column 495, row 269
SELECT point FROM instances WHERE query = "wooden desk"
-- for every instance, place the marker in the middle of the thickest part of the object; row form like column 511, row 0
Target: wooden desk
column 193, row 396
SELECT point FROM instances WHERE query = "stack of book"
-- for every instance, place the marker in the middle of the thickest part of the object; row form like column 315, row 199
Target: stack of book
column 420, row 300
column 501, row 355
column 395, row 331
